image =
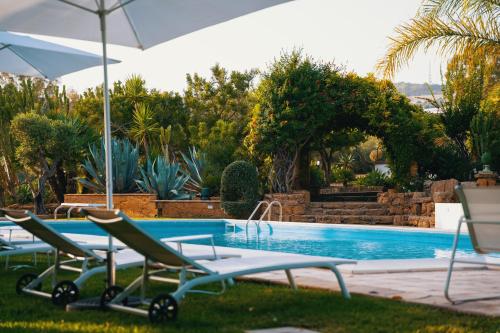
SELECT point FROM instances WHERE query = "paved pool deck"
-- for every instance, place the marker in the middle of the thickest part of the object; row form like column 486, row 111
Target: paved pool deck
column 425, row 287
column 411, row 280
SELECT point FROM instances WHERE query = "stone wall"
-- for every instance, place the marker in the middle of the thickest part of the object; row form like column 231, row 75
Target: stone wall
column 417, row 208
column 133, row 204
column 190, row 209
column 294, row 205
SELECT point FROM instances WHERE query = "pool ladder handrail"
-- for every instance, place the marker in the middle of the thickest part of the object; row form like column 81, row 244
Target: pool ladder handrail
column 266, row 211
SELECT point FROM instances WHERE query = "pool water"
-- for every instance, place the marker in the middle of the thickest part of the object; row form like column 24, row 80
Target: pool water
column 325, row 240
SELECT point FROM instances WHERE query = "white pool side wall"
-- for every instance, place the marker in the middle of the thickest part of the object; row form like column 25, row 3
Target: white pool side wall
column 447, row 215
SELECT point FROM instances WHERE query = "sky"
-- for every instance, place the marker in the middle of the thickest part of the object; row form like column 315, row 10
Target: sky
column 353, row 33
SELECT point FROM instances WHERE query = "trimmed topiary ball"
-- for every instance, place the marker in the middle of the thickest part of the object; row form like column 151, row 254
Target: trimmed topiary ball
column 239, row 189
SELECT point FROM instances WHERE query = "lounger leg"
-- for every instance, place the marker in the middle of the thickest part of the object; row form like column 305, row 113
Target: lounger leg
column 7, row 256
column 34, row 254
column 186, row 287
column 129, row 290
column 452, row 261
column 291, row 280
column 57, row 262
column 40, row 278
column 145, row 272
column 340, row 279
column 55, row 212
column 69, row 212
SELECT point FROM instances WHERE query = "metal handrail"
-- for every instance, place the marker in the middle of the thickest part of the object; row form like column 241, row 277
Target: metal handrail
column 268, row 212
column 255, row 212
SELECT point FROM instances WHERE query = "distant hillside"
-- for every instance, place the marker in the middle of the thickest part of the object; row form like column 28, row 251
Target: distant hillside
column 417, row 89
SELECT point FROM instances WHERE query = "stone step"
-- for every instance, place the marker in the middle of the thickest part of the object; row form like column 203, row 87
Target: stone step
column 347, row 196
column 349, row 219
column 347, row 205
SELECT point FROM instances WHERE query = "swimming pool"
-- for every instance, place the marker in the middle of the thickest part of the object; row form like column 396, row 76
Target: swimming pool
column 351, row 242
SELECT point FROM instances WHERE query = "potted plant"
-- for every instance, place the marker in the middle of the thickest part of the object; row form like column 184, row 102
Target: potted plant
column 205, row 193
column 486, row 160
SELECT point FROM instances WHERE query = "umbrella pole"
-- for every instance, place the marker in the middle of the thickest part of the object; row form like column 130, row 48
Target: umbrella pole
column 107, row 142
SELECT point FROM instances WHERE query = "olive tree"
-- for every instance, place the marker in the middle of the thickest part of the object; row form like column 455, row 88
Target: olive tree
column 41, row 144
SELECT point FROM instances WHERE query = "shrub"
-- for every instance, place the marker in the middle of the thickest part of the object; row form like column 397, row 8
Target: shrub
column 23, row 194
column 342, row 175
column 317, row 177
column 239, row 189
column 375, row 178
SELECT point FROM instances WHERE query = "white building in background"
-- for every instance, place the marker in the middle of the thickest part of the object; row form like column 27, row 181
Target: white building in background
column 423, row 101
column 383, row 168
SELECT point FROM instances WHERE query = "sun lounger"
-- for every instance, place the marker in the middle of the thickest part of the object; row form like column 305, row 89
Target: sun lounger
column 13, row 242
column 80, row 250
column 14, row 234
column 73, row 205
column 66, row 291
column 164, row 307
column 7, row 250
column 481, row 207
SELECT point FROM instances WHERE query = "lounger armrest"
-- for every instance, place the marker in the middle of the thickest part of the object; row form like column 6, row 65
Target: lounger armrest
column 181, row 239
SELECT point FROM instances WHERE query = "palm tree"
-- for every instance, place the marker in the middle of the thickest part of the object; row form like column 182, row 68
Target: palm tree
column 134, row 89
column 144, row 126
column 461, row 27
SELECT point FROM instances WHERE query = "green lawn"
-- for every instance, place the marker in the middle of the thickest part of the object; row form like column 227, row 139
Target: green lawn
column 244, row 306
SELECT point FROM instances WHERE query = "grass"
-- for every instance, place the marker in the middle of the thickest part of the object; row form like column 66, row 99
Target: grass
column 244, row 306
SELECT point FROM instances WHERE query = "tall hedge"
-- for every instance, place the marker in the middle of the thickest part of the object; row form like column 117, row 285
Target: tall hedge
column 239, row 189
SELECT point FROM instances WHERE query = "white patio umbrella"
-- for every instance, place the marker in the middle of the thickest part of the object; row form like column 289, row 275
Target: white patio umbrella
column 23, row 55
column 135, row 23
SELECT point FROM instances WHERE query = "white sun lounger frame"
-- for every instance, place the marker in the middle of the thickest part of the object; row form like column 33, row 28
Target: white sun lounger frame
column 73, row 205
column 78, row 253
column 481, row 207
column 124, row 229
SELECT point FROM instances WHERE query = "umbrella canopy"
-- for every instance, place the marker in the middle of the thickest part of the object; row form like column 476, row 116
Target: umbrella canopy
column 135, row 23
column 23, row 55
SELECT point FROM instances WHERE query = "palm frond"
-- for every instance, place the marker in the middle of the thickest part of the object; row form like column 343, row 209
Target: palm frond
column 464, row 36
column 463, row 7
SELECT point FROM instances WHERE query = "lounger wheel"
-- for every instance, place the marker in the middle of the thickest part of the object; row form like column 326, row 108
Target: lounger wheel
column 65, row 292
column 25, row 280
column 109, row 294
column 163, row 308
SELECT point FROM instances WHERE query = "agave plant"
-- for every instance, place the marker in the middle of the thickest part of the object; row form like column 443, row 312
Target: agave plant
column 195, row 164
column 125, row 166
column 163, row 178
